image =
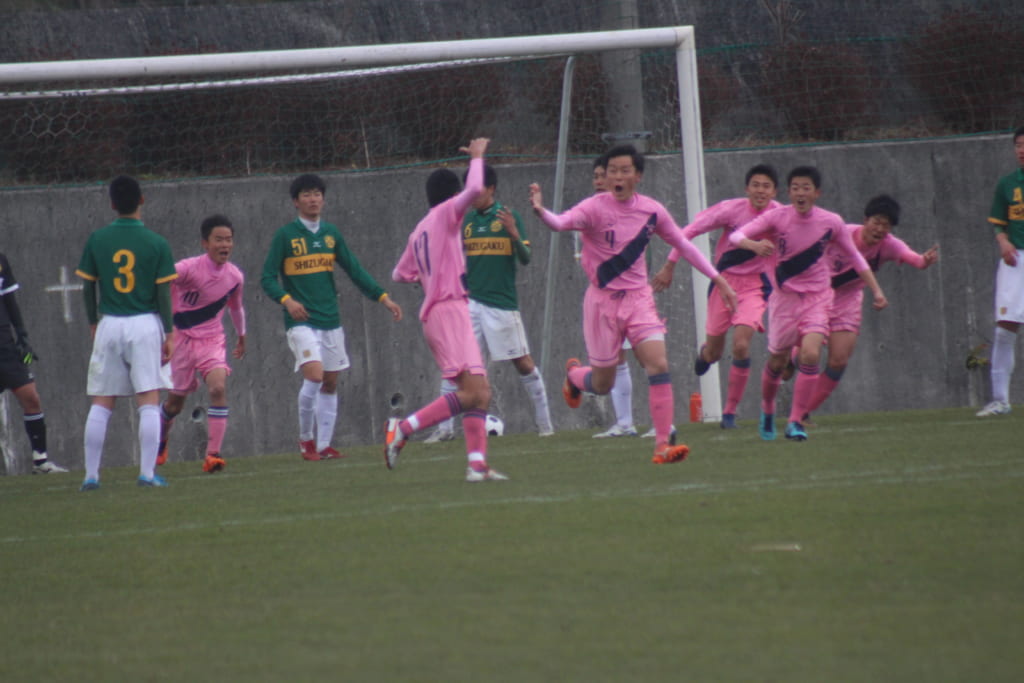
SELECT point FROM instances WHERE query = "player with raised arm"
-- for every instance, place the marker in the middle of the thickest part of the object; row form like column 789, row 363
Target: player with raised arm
column 616, row 226
column 298, row 273
column 131, row 268
column 15, row 374
column 1007, row 216
column 875, row 242
column 495, row 244
column 745, row 271
column 205, row 286
column 434, row 258
column 798, row 310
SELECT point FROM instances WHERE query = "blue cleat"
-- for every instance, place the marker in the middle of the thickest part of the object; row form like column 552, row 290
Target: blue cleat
column 795, row 432
column 90, row 484
column 156, row 481
column 728, row 421
column 766, row 428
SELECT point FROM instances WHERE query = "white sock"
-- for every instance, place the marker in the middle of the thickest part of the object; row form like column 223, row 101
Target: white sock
column 534, row 386
column 95, row 435
column 326, row 416
column 1002, row 363
column 447, row 387
column 307, row 409
column 622, row 396
column 149, row 439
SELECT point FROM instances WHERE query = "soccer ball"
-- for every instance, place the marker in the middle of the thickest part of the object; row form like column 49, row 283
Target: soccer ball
column 495, row 426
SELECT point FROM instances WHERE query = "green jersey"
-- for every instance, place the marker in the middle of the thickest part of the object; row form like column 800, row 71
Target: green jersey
column 127, row 260
column 491, row 256
column 300, row 265
column 1007, row 212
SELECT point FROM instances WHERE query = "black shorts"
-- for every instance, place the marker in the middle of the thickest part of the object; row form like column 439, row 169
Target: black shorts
column 13, row 373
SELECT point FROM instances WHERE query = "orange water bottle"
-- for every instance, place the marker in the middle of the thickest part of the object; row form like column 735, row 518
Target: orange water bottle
column 696, row 408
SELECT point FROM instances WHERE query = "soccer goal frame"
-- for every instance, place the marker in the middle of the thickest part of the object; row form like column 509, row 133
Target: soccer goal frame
column 680, row 39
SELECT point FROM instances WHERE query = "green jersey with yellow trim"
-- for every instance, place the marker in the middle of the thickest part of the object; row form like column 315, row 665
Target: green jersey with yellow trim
column 300, row 265
column 127, row 260
column 491, row 256
column 1007, row 212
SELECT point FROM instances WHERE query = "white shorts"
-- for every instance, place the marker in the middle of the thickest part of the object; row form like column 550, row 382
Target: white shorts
column 1010, row 290
column 499, row 333
column 326, row 346
column 126, row 355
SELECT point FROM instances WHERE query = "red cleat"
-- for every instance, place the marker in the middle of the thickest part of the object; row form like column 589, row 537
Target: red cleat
column 308, row 450
column 213, row 463
column 330, row 454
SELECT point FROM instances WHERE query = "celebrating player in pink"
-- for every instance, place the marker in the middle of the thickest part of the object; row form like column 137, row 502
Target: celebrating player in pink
column 798, row 310
column 434, row 258
column 616, row 227
column 745, row 271
column 206, row 285
column 877, row 245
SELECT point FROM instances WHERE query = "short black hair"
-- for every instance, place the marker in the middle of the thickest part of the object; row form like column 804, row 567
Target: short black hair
column 1017, row 133
column 217, row 220
column 883, row 205
column 765, row 170
column 490, row 177
column 601, row 161
column 125, row 194
column 626, row 151
column 307, row 181
column 442, row 184
column 805, row 172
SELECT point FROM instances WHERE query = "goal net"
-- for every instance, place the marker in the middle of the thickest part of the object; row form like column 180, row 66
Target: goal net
column 357, row 109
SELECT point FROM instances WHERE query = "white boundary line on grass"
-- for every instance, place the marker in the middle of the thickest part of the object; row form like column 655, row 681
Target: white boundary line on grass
column 914, row 475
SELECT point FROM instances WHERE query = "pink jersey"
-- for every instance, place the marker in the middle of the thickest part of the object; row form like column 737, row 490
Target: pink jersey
column 200, row 293
column 728, row 215
column 800, row 242
column 433, row 255
column 615, row 235
column 844, row 277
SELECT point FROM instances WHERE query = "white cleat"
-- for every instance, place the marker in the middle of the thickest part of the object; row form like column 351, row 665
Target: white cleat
column 473, row 476
column 440, row 435
column 47, row 467
column 546, row 430
column 394, row 439
column 994, row 408
column 649, row 434
column 616, row 430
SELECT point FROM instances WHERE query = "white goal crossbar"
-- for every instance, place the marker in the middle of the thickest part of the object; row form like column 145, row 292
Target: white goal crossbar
column 679, row 38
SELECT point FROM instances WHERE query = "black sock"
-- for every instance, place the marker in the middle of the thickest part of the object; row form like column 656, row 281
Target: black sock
column 35, row 427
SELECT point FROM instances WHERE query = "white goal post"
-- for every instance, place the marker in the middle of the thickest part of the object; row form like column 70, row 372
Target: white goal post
column 680, row 39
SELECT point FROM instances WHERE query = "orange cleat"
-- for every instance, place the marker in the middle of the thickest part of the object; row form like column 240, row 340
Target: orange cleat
column 573, row 396
column 307, row 449
column 665, row 454
column 213, row 463
column 161, row 455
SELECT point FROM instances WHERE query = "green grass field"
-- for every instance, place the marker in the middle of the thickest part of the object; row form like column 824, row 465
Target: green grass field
column 889, row 547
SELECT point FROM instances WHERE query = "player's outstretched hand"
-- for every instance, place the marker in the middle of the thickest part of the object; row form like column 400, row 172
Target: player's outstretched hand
column 509, row 221
column 662, row 280
column 931, row 256
column 477, row 148
column 396, row 310
column 536, row 197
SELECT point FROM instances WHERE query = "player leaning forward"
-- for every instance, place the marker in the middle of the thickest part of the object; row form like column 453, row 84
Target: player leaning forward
column 616, row 227
column 434, row 258
column 299, row 274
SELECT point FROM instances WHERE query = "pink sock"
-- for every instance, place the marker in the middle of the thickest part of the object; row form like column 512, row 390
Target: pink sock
column 803, row 390
column 738, row 377
column 216, row 424
column 662, row 405
column 473, row 426
column 438, row 410
column 578, row 377
column 770, row 381
column 822, row 390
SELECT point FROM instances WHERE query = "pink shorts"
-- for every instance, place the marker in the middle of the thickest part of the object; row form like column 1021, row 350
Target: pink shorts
column 449, row 334
column 845, row 313
column 791, row 316
column 752, row 294
column 192, row 355
column 610, row 316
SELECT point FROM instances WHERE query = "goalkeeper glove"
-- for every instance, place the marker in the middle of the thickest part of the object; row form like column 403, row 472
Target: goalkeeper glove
column 25, row 352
